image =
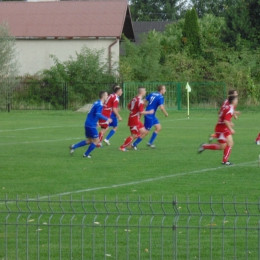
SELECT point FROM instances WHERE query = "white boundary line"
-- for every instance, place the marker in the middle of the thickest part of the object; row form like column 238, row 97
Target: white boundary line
column 36, row 128
column 143, row 181
column 60, row 126
column 135, row 182
column 42, row 141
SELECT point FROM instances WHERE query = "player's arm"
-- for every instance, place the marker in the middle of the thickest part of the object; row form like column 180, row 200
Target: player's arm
column 100, row 116
column 163, row 110
column 147, row 112
column 236, row 114
column 228, row 123
column 115, row 110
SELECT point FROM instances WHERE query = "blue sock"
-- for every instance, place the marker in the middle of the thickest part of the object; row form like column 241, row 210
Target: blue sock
column 111, row 133
column 90, row 149
column 137, row 141
column 154, row 135
column 80, row 144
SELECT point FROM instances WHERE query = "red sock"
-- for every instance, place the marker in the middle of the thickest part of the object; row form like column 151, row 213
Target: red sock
column 227, row 153
column 127, row 142
column 211, row 146
column 100, row 135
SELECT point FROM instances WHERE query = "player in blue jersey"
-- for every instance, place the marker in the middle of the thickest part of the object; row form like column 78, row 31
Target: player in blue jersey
column 153, row 101
column 91, row 131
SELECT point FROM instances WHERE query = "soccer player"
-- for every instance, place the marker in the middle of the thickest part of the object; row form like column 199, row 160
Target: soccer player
column 91, row 131
column 110, row 108
column 257, row 140
column 224, row 130
column 154, row 100
column 231, row 92
column 136, row 107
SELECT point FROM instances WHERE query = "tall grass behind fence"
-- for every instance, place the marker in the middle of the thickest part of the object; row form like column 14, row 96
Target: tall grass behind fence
column 128, row 229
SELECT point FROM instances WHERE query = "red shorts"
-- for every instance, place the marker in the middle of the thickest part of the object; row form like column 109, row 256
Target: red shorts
column 135, row 130
column 103, row 123
column 222, row 133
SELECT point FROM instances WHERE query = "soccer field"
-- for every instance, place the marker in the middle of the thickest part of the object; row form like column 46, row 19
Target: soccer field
column 35, row 158
column 35, row 163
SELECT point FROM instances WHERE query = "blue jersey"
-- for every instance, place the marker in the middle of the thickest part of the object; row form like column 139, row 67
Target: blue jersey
column 154, row 100
column 95, row 114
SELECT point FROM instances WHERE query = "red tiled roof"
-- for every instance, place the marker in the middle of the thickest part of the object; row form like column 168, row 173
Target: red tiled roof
column 64, row 19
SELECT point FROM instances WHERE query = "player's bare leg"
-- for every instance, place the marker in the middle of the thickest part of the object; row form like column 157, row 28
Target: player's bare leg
column 158, row 128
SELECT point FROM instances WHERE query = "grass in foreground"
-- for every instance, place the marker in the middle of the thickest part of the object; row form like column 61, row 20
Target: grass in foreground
column 35, row 160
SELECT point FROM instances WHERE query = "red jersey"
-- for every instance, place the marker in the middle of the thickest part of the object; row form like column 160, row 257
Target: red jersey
column 226, row 114
column 135, row 106
column 111, row 102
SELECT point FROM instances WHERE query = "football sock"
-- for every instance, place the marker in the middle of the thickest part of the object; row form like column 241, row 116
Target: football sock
column 227, row 153
column 90, row 149
column 211, row 146
column 100, row 135
column 154, row 135
column 137, row 141
column 127, row 142
column 80, row 144
column 111, row 133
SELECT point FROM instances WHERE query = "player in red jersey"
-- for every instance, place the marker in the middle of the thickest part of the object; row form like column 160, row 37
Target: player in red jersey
column 231, row 92
column 136, row 107
column 111, row 105
column 224, row 130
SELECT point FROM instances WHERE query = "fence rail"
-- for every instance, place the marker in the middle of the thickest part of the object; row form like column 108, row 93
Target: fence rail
column 41, row 95
column 129, row 229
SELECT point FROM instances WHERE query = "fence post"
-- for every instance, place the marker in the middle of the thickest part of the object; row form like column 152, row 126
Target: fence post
column 123, row 95
column 179, row 96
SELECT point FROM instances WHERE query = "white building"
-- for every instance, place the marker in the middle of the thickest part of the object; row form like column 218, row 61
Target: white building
column 63, row 28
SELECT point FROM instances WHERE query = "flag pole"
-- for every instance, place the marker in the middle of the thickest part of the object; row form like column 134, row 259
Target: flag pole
column 188, row 98
column 188, row 101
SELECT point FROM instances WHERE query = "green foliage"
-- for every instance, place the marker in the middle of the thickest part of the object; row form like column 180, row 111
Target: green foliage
column 142, row 62
column 204, row 7
column 8, row 65
column 242, row 24
column 216, row 61
column 86, row 74
column 149, row 10
column 191, row 32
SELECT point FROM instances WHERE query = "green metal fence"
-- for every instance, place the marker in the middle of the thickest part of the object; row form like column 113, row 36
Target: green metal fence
column 129, row 229
column 204, row 95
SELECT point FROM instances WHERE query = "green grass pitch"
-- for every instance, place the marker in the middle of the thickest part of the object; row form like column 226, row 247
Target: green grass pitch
column 35, row 161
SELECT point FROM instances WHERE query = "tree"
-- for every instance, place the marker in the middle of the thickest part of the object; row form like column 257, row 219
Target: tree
column 191, row 32
column 243, row 25
column 215, row 7
column 157, row 10
column 8, row 65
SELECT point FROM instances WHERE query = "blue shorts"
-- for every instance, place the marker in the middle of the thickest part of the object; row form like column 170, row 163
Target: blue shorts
column 114, row 123
column 91, row 132
column 149, row 122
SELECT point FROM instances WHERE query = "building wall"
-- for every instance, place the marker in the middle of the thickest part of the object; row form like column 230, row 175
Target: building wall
column 34, row 55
